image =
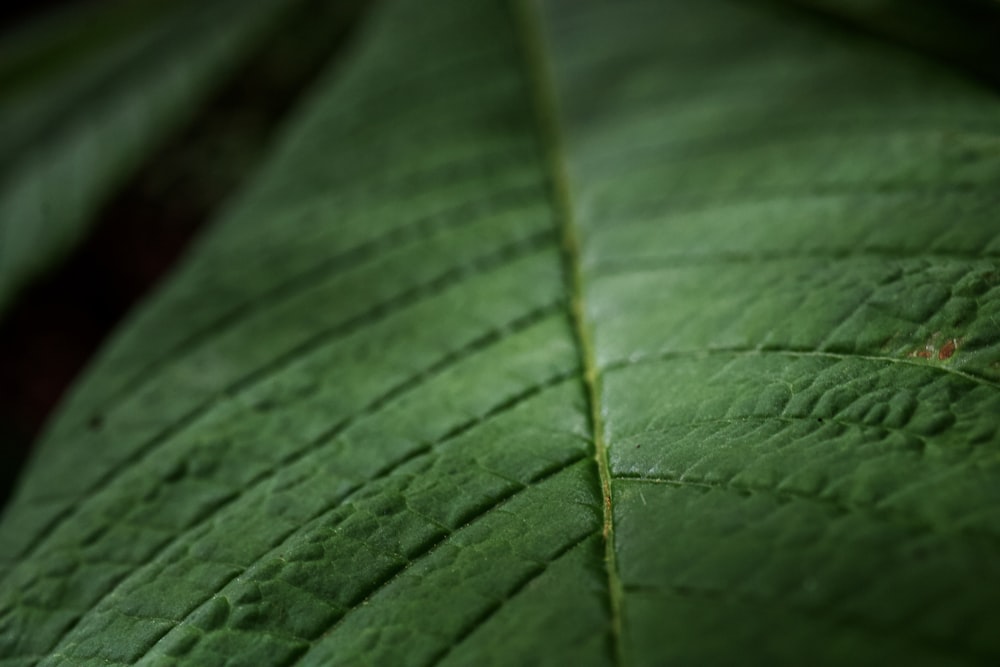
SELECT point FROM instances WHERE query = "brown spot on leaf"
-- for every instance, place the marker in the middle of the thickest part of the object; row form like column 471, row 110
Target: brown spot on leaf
column 931, row 350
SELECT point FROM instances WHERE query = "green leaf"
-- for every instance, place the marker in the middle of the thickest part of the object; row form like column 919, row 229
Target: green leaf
column 590, row 333
column 85, row 97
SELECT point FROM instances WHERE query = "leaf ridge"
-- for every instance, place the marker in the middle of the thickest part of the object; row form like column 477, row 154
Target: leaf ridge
column 540, row 80
column 721, row 145
column 453, row 217
column 896, row 518
column 708, row 200
column 651, row 263
column 637, row 359
column 409, row 384
column 425, row 450
column 536, row 242
column 485, row 617
column 737, row 419
column 433, row 545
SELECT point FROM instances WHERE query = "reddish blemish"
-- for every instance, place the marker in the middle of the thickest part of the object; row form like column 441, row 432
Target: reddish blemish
column 924, row 353
column 948, row 349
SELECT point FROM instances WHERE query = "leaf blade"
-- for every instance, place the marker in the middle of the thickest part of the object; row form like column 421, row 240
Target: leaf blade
column 789, row 443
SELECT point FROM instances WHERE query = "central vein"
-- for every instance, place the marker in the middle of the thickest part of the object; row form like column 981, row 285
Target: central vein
column 552, row 144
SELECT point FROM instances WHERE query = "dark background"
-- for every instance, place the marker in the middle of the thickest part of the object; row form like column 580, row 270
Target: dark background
column 13, row 12
column 58, row 323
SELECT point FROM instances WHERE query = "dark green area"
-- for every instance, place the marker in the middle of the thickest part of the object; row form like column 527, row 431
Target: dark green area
column 578, row 332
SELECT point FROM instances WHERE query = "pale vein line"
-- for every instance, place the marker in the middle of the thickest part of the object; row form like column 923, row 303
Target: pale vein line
column 702, row 201
column 816, row 420
column 618, row 364
column 626, row 265
column 709, row 147
column 542, row 86
column 873, row 512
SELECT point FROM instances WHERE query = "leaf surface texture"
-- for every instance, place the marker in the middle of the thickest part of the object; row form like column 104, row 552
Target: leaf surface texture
column 598, row 333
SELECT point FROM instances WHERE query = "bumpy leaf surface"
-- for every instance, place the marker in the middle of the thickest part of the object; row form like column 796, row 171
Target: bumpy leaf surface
column 587, row 333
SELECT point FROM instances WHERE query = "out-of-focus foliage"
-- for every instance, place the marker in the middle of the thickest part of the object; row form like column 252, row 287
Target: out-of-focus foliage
column 86, row 95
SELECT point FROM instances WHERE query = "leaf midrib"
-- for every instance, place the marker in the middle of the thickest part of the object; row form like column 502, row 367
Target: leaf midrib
column 547, row 115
